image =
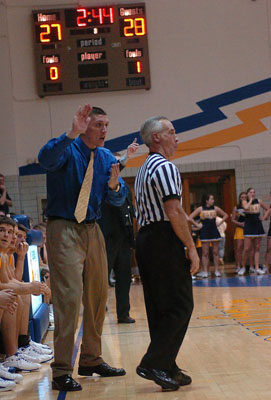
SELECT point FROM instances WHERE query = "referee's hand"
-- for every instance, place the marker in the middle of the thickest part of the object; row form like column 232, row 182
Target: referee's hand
column 194, row 258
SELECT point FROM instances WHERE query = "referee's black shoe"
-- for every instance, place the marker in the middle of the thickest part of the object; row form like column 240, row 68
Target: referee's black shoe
column 126, row 320
column 161, row 378
column 182, row 379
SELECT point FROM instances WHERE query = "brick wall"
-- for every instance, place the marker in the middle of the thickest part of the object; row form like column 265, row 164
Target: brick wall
column 25, row 192
column 31, row 188
column 12, row 185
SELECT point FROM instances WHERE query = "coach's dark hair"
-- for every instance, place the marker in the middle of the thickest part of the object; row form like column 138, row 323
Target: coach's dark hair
column 249, row 189
column 97, row 111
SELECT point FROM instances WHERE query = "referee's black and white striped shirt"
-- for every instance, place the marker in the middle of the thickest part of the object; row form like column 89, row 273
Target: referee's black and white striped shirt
column 157, row 181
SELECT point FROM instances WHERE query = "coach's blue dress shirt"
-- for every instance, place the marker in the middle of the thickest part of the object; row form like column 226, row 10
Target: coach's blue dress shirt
column 66, row 162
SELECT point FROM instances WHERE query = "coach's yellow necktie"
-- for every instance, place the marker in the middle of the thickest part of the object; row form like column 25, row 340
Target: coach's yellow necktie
column 83, row 198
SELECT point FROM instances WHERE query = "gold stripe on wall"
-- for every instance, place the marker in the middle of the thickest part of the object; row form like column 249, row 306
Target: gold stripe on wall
column 251, row 125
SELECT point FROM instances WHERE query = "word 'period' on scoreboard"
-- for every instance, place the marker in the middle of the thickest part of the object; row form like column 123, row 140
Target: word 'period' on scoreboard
column 91, row 49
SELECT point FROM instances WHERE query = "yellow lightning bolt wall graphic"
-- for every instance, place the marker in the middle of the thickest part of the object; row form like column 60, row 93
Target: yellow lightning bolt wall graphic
column 251, row 125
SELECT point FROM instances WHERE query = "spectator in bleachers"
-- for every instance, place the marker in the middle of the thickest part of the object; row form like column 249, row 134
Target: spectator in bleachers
column 15, row 272
column 28, row 356
column 8, row 304
column 5, row 200
column 8, row 300
column 21, row 246
column 21, row 234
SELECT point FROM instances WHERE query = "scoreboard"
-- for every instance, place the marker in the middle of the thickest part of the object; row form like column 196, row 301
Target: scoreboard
column 91, row 49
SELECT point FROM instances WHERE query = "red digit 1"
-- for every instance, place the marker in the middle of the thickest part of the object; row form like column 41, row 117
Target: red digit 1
column 83, row 15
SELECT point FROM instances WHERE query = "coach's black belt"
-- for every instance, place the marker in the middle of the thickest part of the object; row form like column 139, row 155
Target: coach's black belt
column 86, row 222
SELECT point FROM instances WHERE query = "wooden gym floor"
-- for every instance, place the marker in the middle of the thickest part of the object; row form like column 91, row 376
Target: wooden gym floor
column 227, row 349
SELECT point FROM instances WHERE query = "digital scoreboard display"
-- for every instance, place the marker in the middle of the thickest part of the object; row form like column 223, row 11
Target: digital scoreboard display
column 91, row 49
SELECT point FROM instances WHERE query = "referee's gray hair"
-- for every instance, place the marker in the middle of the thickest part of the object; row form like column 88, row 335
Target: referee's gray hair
column 151, row 125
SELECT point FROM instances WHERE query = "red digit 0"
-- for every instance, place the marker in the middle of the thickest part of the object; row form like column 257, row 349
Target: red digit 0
column 54, row 75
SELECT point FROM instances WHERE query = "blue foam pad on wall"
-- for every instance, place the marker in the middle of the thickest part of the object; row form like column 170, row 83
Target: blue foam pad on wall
column 22, row 219
column 34, row 237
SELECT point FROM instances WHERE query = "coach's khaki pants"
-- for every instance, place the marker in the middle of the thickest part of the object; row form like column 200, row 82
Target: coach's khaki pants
column 78, row 268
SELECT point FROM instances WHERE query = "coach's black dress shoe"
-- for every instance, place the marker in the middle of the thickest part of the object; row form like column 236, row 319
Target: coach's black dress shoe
column 126, row 320
column 65, row 383
column 102, row 369
column 161, row 378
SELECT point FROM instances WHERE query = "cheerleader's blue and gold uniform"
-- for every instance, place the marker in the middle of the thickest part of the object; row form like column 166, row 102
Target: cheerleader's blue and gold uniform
column 239, row 231
column 209, row 231
column 253, row 224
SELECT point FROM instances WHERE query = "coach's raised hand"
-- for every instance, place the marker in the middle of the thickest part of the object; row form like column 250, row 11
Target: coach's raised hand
column 80, row 121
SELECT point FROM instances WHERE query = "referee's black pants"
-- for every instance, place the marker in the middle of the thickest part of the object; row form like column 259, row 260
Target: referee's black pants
column 167, row 285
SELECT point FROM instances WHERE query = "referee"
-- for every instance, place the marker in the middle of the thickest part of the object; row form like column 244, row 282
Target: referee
column 164, row 269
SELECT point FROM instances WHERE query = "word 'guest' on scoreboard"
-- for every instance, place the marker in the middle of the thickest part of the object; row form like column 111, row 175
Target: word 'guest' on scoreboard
column 91, row 49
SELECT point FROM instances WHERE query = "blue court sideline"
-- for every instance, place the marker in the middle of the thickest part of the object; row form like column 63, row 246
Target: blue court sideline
column 235, row 281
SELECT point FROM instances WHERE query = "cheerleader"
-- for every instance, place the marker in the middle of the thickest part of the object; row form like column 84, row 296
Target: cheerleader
column 209, row 232
column 253, row 230
column 238, row 218
column 268, row 248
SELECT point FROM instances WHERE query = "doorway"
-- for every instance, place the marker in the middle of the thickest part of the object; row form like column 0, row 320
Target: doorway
column 222, row 185
column 219, row 183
